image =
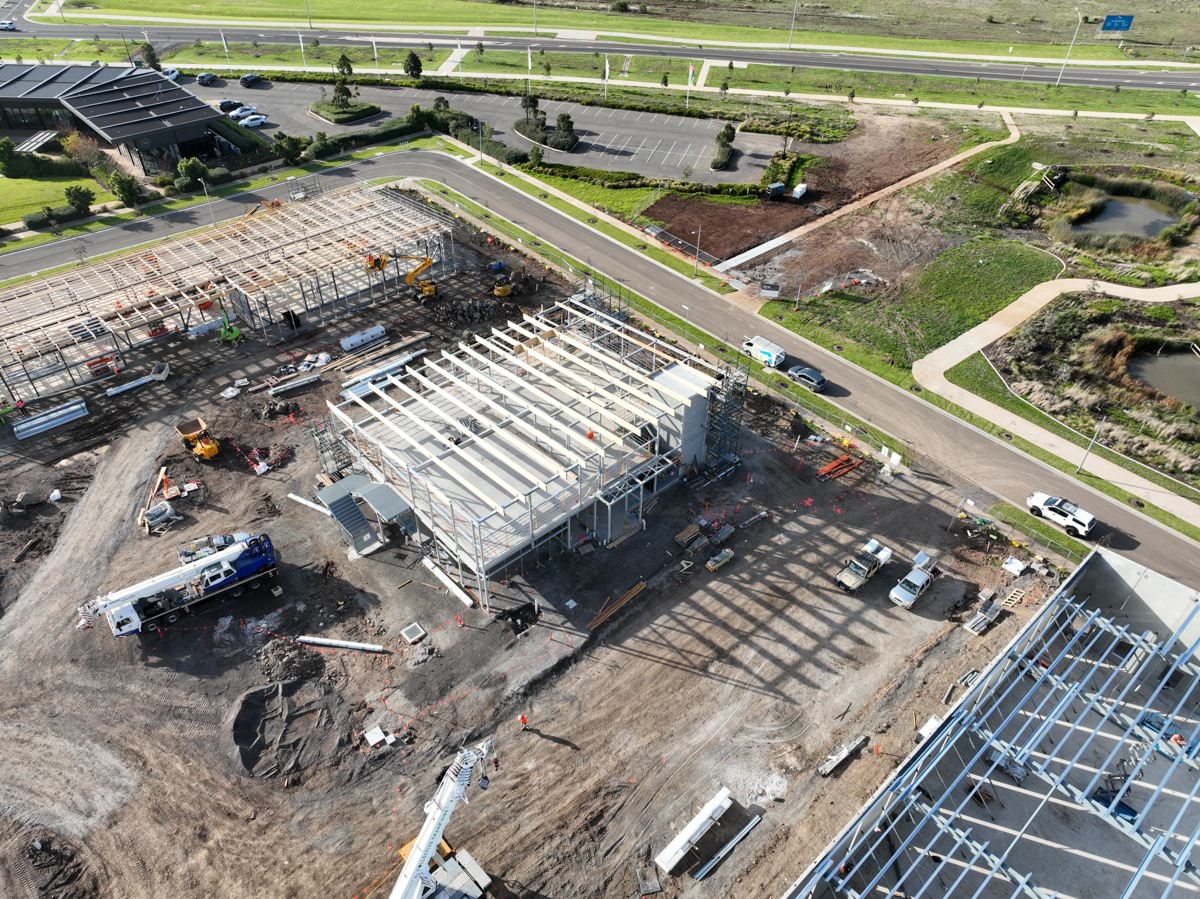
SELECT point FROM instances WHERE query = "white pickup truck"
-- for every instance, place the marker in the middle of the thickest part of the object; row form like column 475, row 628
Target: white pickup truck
column 917, row 582
column 865, row 564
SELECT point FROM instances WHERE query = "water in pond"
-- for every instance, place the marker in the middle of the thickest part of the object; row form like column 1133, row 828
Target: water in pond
column 1175, row 374
column 1129, row 215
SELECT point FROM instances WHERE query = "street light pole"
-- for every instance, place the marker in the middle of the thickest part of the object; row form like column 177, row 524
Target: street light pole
column 208, row 202
column 535, row 31
column 795, row 3
column 1091, row 443
column 308, row 14
column 1070, row 48
column 696, row 267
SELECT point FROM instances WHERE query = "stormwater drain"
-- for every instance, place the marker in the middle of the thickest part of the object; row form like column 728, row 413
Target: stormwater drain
column 916, row 388
column 1137, row 503
column 1004, row 435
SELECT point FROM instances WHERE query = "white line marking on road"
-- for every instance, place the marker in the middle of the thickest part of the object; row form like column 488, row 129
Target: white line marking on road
column 652, row 152
column 641, row 115
column 667, row 158
column 626, row 114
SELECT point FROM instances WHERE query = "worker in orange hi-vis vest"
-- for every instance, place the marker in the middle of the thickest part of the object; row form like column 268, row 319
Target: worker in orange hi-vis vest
column 524, row 721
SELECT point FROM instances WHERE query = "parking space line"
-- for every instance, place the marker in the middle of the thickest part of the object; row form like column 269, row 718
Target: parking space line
column 641, row 115
column 652, row 152
column 626, row 114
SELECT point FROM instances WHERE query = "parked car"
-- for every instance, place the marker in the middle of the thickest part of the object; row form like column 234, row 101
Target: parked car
column 204, row 79
column 914, row 585
column 243, row 112
column 249, row 79
column 807, row 377
column 8, row 25
column 1062, row 512
column 253, row 121
column 171, row 74
column 229, row 105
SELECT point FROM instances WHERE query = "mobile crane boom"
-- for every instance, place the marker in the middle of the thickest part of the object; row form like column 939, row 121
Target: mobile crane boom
column 415, row 881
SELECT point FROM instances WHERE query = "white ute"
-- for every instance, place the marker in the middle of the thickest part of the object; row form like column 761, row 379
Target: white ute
column 914, row 584
column 1063, row 513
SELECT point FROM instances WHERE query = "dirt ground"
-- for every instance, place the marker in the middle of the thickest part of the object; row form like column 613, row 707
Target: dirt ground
column 882, row 149
column 218, row 757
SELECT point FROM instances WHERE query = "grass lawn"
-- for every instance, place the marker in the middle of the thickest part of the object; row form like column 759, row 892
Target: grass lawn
column 881, row 85
column 652, row 68
column 976, row 375
column 961, row 288
column 773, row 19
column 19, row 196
column 318, row 59
column 516, row 62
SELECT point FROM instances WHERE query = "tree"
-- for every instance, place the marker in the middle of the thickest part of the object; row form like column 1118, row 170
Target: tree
column 288, row 147
column 412, row 65
column 726, row 135
column 344, row 67
column 535, row 156
column 341, row 95
column 126, row 188
column 731, row 65
column 441, row 104
column 479, row 49
column 546, row 67
column 666, row 82
column 850, row 95
column 83, row 149
column 8, row 155
column 563, row 124
column 191, row 168
column 529, row 103
column 150, row 56
column 724, row 88
column 80, row 198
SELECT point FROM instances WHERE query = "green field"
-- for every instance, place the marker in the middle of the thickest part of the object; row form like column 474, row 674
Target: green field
column 972, row 91
column 961, row 288
column 930, row 25
column 20, row 196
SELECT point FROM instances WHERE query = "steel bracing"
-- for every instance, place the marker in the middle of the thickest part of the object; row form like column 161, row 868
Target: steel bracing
column 499, row 443
column 1068, row 769
column 276, row 268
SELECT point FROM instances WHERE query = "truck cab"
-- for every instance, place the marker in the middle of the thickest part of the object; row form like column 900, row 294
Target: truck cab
column 917, row 582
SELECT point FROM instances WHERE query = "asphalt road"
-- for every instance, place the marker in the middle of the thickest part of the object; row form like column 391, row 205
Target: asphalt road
column 991, row 463
column 1147, row 77
column 649, row 143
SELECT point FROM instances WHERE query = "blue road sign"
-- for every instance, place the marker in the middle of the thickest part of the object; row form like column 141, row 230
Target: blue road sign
column 1117, row 23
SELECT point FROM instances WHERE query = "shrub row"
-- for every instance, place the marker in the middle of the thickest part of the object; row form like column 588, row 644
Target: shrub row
column 352, row 113
column 332, row 144
column 242, row 138
column 814, row 127
column 35, row 165
column 721, row 158
column 464, row 128
column 35, row 221
column 622, row 180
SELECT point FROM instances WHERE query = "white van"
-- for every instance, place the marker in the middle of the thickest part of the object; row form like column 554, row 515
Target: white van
column 770, row 354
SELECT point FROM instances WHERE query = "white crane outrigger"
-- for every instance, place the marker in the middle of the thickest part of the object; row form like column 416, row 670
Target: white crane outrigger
column 415, row 880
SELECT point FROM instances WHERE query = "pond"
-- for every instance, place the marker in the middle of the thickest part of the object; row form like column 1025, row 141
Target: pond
column 1175, row 374
column 1129, row 215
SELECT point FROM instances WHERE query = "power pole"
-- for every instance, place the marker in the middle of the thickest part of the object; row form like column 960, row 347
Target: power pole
column 1091, row 443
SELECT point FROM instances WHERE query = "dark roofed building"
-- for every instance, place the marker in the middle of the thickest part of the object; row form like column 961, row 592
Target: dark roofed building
column 148, row 118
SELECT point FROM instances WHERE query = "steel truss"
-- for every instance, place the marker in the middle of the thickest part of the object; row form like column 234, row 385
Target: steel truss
column 521, row 435
column 1074, row 701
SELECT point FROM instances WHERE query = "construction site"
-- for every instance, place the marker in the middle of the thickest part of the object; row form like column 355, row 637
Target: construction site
column 320, row 521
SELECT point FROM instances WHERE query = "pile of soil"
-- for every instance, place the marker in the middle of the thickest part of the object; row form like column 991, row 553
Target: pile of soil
column 287, row 728
column 286, row 660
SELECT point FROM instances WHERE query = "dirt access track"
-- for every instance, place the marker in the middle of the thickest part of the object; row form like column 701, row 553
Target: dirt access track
column 210, row 760
column 884, row 148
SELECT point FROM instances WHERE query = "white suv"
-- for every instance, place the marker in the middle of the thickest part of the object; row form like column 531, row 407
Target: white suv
column 8, row 25
column 1064, row 513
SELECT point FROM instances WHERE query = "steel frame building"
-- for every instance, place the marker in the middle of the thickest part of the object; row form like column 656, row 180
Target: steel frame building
column 302, row 262
column 501, row 443
column 1069, row 769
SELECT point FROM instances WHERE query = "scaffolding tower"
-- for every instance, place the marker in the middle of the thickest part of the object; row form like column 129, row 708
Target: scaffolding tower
column 726, row 404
